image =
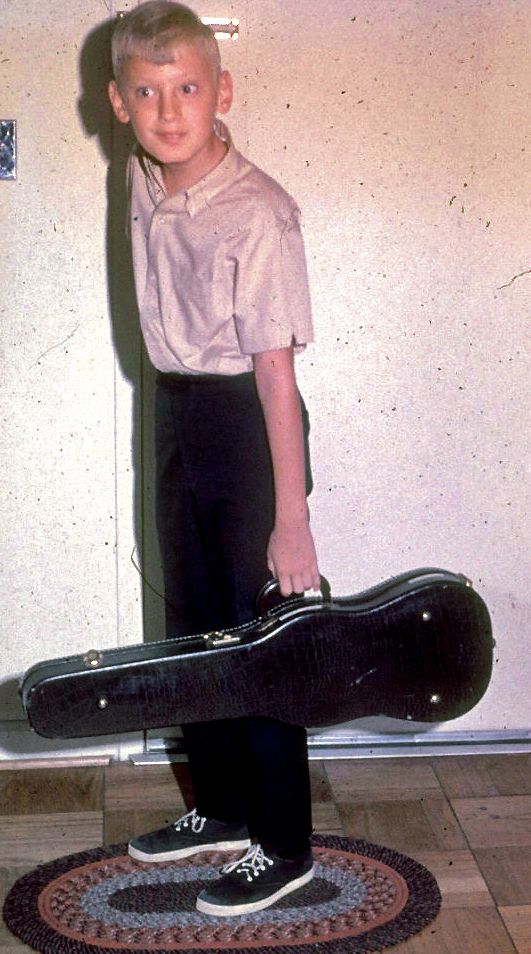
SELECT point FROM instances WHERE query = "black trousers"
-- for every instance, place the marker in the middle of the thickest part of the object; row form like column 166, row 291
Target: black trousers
column 215, row 512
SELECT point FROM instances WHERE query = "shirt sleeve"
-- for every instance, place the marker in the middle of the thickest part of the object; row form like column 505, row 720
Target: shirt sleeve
column 271, row 295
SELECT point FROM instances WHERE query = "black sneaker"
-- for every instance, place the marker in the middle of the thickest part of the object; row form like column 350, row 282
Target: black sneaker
column 187, row 836
column 254, row 882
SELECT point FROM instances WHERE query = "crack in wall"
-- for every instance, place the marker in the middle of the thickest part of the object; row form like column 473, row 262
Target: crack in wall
column 53, row 347
column 513, row 279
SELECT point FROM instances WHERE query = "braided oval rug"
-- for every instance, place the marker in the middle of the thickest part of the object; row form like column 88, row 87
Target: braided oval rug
column 363, row 897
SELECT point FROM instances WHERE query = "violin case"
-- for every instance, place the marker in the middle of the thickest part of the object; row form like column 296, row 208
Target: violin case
column 417, row 647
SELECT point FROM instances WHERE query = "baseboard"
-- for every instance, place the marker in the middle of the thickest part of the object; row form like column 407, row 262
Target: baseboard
column 345, row 745
column 21, row 746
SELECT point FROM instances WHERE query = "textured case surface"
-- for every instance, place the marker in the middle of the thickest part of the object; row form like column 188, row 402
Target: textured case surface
column 418, row 647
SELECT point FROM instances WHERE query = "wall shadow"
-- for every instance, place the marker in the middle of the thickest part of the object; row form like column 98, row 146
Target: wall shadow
column 115, row 142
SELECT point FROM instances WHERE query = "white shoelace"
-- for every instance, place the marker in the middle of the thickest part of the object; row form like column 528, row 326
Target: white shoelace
column 196, row 822
column 252, row 863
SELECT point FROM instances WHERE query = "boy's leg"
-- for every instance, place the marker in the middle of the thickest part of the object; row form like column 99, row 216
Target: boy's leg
column 194, row 601
column 190, row 602
column 215, row 514
column 280, row 815
column 276, row 777
column 238, row 519
column 192, row 606
column 270, row 789
column 216, row 766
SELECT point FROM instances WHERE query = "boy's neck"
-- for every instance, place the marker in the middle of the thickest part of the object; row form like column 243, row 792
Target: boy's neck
column 177, row 177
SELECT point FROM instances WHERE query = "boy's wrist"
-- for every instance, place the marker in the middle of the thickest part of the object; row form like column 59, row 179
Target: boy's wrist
column 292, row 518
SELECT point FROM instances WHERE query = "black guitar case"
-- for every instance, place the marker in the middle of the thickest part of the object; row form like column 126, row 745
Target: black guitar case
column 418, row 646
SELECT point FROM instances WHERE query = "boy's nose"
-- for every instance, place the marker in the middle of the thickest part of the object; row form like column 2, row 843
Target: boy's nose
column 169, row 107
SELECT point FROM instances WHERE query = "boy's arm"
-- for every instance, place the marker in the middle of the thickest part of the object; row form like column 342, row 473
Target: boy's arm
column 291, row 552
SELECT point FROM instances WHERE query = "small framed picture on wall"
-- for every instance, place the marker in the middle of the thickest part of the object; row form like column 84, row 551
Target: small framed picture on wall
column 8, row 149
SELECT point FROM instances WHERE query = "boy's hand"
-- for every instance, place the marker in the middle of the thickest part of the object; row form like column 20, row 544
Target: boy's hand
column 291, row 558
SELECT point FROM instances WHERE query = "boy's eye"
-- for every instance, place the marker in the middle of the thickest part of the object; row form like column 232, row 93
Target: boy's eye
column 144, row 91
column 189, row 88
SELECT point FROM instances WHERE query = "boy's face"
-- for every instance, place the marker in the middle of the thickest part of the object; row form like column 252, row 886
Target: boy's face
column 172, row 108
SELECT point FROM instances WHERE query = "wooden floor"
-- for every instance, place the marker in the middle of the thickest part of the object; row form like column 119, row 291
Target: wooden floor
column 467, row 819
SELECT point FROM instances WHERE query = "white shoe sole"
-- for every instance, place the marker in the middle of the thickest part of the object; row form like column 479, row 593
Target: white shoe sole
column 224, row 911
column 139, row 855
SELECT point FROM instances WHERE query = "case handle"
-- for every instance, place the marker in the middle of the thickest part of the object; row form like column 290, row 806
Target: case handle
column 270, row 596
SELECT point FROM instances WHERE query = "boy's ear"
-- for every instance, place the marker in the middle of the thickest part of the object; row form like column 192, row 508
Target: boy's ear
column 117, row 103
column 225, row 92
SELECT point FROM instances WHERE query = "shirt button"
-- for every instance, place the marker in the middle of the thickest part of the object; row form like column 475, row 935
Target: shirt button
column 162, row 220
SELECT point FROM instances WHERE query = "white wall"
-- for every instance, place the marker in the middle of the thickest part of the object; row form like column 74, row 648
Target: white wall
column 403, row 131
column 406, row 140
column 67, row 527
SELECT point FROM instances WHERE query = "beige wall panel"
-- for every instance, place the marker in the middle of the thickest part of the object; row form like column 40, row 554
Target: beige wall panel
column 403, row 130
column 60, row 487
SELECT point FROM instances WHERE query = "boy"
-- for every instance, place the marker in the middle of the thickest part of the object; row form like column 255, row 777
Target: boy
column 223, row 299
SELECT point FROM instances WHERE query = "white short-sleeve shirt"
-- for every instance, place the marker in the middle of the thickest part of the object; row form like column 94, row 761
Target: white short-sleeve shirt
column 220, row 269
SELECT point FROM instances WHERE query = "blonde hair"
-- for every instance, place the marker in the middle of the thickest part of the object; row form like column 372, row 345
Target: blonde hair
column 151, row 29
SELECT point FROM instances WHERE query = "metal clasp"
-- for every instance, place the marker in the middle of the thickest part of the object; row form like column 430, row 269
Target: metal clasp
column 215, row 639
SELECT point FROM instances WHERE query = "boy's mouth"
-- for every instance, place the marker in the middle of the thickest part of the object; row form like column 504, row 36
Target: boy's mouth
column 171, row 138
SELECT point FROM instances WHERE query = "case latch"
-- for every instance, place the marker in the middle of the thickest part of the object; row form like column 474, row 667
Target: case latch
column 214, row 640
